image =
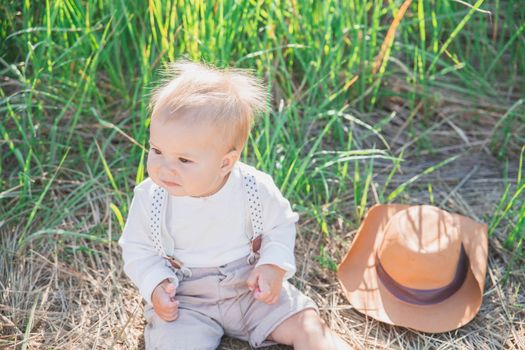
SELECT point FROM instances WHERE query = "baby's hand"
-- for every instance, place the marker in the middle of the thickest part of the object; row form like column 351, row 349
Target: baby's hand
column 164, row 303
column 265, row 282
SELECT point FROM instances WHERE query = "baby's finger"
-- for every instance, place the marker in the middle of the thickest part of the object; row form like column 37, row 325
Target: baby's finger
column 252, row 282
column 170, row 289
column 169, row 305
column 173, row 304
column 171, row 308
column 171, row 316
column 262, row 296
column 268, row 300
column 273, row 300
column 264, row 286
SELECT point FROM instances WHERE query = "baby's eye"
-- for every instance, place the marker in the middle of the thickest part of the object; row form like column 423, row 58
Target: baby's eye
column 184, row 160
column 155, row 150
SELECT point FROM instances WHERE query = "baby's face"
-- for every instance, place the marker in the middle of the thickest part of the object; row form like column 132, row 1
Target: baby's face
column 187, row 158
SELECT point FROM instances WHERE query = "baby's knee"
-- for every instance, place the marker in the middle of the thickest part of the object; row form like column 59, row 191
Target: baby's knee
column 309, row 322
column 314, row 333
column 301, row 328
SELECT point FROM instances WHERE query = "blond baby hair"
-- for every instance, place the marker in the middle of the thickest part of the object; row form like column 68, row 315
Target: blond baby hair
column 229, row 98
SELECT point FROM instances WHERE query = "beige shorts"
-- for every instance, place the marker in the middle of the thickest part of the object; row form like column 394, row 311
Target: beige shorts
column 217, row 301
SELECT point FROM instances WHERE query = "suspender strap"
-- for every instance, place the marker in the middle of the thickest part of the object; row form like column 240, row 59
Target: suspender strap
column 255, row 210
column 159, row 200
column 159, row 197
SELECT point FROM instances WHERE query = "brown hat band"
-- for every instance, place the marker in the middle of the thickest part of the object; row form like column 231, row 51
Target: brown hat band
column 425, row 296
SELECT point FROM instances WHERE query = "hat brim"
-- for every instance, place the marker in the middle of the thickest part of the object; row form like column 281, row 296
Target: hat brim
column 366, row 293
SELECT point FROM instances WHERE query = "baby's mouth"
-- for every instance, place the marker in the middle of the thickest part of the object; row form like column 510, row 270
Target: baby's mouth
column 170, row 183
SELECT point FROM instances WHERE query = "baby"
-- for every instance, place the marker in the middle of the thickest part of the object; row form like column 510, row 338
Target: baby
column 209, row 241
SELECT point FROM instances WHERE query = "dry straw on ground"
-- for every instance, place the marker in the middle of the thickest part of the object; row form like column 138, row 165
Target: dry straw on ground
column 57, row 296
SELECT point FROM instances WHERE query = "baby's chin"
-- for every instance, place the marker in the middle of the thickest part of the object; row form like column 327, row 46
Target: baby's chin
column 178, row 192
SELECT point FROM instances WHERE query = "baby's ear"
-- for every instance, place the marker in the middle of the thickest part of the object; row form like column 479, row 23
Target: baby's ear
column 228, row 161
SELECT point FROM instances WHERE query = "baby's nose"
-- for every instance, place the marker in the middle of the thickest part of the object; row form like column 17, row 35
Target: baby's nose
column 169, row 168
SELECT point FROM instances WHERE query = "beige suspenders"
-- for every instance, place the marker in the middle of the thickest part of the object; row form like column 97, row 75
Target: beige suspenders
column 253, row 205
column 255, row 210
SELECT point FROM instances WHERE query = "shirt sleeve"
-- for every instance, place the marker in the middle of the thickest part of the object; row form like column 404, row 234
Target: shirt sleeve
column 142, row 264
column 279, row 230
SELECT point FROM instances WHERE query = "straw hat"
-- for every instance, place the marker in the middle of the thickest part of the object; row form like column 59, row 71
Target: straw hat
column 416, row 266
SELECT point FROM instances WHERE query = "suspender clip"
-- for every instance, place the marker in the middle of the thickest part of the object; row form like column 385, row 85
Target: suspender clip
column 174, row 262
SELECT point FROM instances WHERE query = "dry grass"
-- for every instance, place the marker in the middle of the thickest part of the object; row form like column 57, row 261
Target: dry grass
column 56, row 296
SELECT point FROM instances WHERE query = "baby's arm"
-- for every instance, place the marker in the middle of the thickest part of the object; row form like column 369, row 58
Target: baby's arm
column 142, row 264
column 277, row 260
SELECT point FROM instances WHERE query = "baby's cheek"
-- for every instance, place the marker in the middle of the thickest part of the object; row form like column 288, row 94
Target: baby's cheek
column 193, row 180
column 152, row 166
column 149, row 163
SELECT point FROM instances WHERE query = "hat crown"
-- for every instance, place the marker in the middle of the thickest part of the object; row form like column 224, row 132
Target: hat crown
column 421, row 247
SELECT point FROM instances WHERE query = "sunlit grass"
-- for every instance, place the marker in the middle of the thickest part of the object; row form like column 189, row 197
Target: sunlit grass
column 77, row 77
column 372, row 101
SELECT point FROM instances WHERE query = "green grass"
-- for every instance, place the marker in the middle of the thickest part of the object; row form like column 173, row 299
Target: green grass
column 76, row 78
column 372, row 101
column 511, row 210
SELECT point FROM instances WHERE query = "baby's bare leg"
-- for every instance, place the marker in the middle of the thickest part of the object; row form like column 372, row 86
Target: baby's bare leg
column 306, row 330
